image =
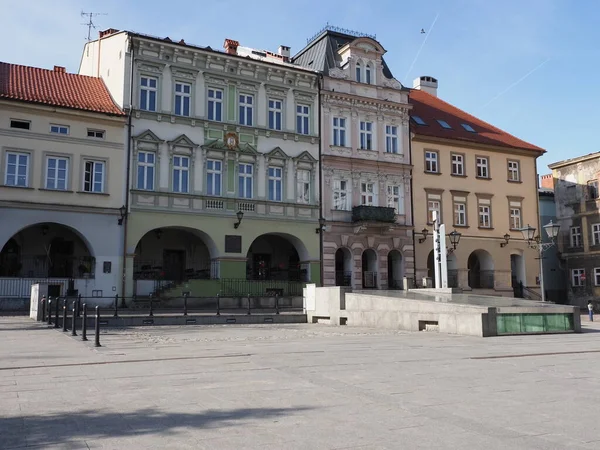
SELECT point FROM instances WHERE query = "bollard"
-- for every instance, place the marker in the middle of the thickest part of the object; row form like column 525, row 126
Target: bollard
column 185, row 304
column 64, row 324
column 97, row 330
column 248, row 304
column 84, row 324
column 218, row 304
column 43, row 303
column 151, row 313
column 49, row 310
column 56, row 313
column 116, row 305
column 276, row 303
column 74, row 320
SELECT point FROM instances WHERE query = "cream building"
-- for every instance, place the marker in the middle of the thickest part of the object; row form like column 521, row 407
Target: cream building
column 61, row 183
column 483, row 183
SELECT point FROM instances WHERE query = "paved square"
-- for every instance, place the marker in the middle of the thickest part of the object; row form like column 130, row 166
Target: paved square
column 296, row 387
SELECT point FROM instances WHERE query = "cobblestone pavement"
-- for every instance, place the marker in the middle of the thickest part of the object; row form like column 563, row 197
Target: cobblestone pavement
column 296, row 387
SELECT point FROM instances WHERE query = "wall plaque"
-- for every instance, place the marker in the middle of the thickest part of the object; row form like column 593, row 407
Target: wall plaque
column 233, row 244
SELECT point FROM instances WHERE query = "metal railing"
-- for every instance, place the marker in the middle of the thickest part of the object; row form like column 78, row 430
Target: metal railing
column 452, row 278
column 21, row 287
column 47, row 266
column 343, row 278
column 364, row 213
column 159, row 270
column 481, row 279
column 241, row 287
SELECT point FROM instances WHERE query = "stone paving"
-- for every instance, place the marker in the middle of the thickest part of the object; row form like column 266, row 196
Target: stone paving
column 296, row 387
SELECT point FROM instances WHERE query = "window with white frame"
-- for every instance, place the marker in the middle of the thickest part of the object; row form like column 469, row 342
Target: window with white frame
column 515, row 218
column 367, row 194
column 460, row 213
column 302, row 119
column 59, row 129
column 145, row 170
column 485, row 216
column 433, row 206
column 596, row 234
column 395, row 198
column 57, row 173
column 245, row 180
column 513, row 171
column 577, row 277
column 431, row 162
column 391, row 139
column 458, row 164
column 96, row 134
column 93, row 176
column 275, row 114
column 275, row 184
column 148, row 89
column 340, row 195
column 597, row 276
column 358, row 72
column 214, row 173
column 183, row 97
column 575, row 236
column 339, row 131
column 366, row 135
column 483, row 164
column 215, row 105
column 17, row 169
column 368, row 74
column 303, row 186
column 181, row 174
column 246, row 108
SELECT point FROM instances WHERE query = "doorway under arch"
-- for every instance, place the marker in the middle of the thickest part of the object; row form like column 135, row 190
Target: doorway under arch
column 517, row 272
column 343, row 267
column 395, row 269
column 369, row 269
column 481, row 270
column 275, row 257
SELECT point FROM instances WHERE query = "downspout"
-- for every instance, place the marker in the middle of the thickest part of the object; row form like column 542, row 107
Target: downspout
column 128, row 175
column 412, row 207
column 321, row 218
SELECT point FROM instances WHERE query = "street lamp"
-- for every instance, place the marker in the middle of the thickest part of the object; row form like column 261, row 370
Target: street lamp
column 240, row 216
column 425, row 232
column 321, row 225
column 454, row 239
column 536, row 243
column 122, row 214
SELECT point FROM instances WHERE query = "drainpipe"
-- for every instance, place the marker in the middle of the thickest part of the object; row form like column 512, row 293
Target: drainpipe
column 412, row 207
column 128, row 175
column 321, row 231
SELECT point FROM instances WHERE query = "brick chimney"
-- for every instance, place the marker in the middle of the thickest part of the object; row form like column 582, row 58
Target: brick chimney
column 107, row 32
column 60, row 69
column 231, row 46
column 547, row 181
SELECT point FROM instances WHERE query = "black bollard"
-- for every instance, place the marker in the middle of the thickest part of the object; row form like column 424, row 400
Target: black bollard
column 49, row 310
column 218, row 304
column 185, row 304
column 65, row 316
column 248, row 304
column 116, row 305
column 74, row 320
column 43, row 304
column 151, row 313
column 97, row 330
column 276, row 303
column 56, row 313
column 84, row 324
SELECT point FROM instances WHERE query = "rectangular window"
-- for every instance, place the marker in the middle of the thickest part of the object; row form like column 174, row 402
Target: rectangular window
column 96, row 134
column 303, row 186
column 214, row 172
column 339, row 131
column 148, row 89
column 458, row 162
column 515, row 218
column 20, row 124
column 391, row 139
column 482, row 167
column 367, row 194
column 575, row 236
column 215, row 105
column 431, row 162
column 366, row 135
column 275, row 114
column 513, row 171
column 395, row 199
column 275, row 184
column 302, row 119
column 17, row 169
column 246, row 107
column 340, row 195
column 368, row 75
column 597, row 276
column 485, row 217
column 433, row 205
column 181, row 173
column 145, row 171
column 592, row 189
column 59, row 129
column 93, row 177
column 577, row 278
column 246, row 180
column 596, row 234
column 183, row 98
column 460, row 214
column 57, row 173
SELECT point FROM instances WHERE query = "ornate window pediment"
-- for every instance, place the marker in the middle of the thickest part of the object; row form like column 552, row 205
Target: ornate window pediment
column 183, row 141
column 147, row 141
column 277, row 153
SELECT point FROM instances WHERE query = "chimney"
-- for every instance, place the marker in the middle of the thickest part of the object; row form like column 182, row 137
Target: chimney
column 427, row 84
column 60, row 69
column 231, row 46
column 107, row 32
column 547, row 181
column 284, row 51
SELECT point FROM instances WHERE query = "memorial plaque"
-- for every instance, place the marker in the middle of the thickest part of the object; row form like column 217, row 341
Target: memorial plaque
column 233, row 244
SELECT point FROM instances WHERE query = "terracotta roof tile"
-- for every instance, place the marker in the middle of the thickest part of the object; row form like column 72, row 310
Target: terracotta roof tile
column 431, row 109
column 56, row 88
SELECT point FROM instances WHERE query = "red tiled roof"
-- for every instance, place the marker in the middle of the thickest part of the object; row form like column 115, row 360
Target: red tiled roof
column 56, row 88
column 431, row 109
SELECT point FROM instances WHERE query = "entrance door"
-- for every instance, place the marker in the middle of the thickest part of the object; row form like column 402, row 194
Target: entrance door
column 174, row 264
column 261, row 265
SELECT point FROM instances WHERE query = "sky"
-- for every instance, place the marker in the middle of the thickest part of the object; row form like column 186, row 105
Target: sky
column 528, row 67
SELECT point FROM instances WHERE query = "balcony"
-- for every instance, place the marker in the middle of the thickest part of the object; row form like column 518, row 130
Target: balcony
column 365, row 213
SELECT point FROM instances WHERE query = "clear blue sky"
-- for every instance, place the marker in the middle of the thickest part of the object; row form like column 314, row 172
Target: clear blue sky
column 481, row 51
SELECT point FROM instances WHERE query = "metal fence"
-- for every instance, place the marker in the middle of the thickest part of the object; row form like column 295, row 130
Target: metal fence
column 343, row 278
column 241, row 287
column 481, row 279
column 45, row 266
column 162, row 270
column 21, row 287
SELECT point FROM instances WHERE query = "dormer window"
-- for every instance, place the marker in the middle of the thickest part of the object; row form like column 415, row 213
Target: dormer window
column 358, row 72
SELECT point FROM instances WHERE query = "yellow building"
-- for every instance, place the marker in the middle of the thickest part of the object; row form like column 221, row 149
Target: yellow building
column 483, row 183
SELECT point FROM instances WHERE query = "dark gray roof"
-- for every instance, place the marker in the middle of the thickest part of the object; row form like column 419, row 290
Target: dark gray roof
column 321, row 53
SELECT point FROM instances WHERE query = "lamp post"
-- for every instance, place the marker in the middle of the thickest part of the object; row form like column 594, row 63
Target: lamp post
column 536, row 243
column 240, row 216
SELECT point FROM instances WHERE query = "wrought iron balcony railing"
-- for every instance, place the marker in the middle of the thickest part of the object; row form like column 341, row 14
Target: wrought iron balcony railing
column 365, row 213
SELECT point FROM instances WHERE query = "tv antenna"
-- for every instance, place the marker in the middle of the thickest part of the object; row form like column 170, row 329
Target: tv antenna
column 90, row 23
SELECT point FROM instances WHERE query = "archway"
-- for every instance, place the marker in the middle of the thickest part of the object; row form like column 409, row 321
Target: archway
column 276, row 257
column 47, row 250
column 395, row 264
column 343, row 267
column 517, row 272
column 369, row 269
column 481, row 270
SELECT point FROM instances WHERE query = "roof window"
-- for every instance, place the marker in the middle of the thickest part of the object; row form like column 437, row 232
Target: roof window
column 418, row 120
column 444, row 124
column 468, row 127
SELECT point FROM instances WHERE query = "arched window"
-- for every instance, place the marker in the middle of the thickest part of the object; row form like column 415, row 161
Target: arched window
column 368, row 74
column 358, row 71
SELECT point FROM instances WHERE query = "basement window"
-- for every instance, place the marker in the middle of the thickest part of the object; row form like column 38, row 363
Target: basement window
column 418, row 120
column 444, row 124
column 20, row 124
column 468, row 127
